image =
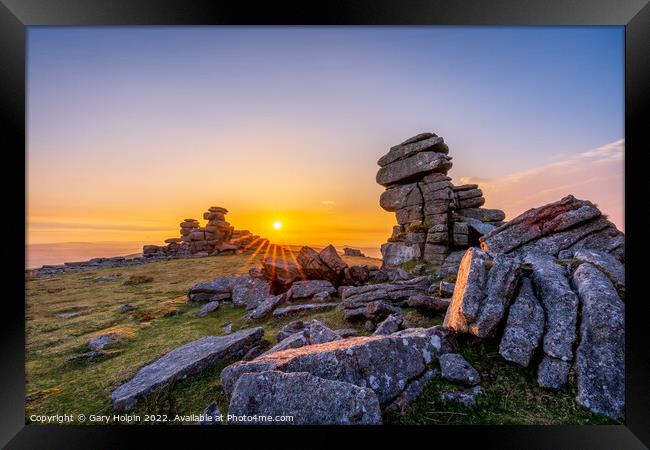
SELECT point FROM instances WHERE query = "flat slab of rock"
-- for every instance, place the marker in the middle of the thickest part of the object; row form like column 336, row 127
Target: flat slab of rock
column 309, row 399
column 426, row 303
column 208, row 308
column 355, row 296
column 294, row 309
column 309, row 288
column 401, row 151
column 390, row 325
column 524, row 328
column 385, row 364
column 266, row 306
column 600, row 357
column 455, row 368
column 465, row 398
column 215, row 290
column 183, row 361
column 102, row 341
column 538, row 222
column 418, row 164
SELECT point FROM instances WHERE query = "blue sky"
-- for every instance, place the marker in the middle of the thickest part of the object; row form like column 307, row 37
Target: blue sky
column 115, row 113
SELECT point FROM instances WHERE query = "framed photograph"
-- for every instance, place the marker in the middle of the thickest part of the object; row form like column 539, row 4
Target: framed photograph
column 386, row 217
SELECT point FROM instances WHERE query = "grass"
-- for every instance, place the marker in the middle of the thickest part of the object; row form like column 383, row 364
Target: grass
column 511, row 397
column 163, row 320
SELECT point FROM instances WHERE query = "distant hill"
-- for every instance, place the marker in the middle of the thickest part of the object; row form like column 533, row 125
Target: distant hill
column 58, row 253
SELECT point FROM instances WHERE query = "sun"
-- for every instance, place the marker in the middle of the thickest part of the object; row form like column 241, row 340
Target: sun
column 277, row 225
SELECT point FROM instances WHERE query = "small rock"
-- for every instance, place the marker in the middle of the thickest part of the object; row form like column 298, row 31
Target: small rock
column 456, row 368
column 102, row 341
column 446, row 289
column 390, row 325
column 227, row 328
column 291, row 328
column 310, row 288
column 369, row 325
column 208, row 308
column 319, row 333
column 211, row 415
column 296, row 340
column 347, row 332
column 127, row 308
column 552, row 373
column 426, row 303
column 301, row 308
column 465, row 398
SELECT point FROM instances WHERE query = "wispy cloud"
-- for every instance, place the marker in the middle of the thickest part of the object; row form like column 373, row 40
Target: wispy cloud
column 595, row 175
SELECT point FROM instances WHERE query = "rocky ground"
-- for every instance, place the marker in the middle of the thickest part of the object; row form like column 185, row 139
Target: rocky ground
column 146, row 313
column 468, row 319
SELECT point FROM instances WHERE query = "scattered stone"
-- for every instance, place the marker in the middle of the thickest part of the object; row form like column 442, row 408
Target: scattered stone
column 211, row 415
column 252, row 353
column 311, row 400
column 552, row 373
column 208, row 308
column 266, row 307
column 250, row 292
column 395, row 292
column 378, row 310
column 281, row 273
column 313, row 267
column 428, row 304
column 446, row 289
column 524, row 328
column 369, row 325
column 383, row 363
column 295, row 340
column 309, row 288
column 347, row 251
column 102, row 341
column 293, row 309
column 227, row 328
column 319, row 333
column 465, row 398
column 347, row 332
column 331, row 258
column 390, row 325
column 127, row 308
column 185, row 360
column 215, row 290
column 600, row 357
column 321, row 297
column 412, row 391
column 291, row 328
column 456, row 368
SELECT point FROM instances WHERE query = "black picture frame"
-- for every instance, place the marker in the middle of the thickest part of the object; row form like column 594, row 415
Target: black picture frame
column 16, row 15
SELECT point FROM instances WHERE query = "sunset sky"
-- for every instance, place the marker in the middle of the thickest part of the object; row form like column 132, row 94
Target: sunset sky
column 131, row 130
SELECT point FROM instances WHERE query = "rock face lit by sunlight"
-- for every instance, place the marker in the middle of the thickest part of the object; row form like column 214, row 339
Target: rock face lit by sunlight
column 277, row 225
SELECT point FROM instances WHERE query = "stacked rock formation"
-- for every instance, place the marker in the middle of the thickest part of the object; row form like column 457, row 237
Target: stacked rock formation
column 216, row 237
column 433, row 215
column 555, row 276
